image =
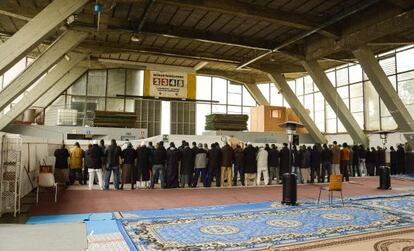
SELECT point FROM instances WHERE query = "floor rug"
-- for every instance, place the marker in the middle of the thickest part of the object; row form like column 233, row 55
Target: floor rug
column 264, row 225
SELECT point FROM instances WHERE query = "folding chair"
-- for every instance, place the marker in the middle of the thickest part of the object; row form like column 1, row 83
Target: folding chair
column 335, row 184
column 46, row 180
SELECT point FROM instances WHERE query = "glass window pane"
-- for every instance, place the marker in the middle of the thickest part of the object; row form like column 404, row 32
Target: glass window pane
column 357, row 104
column 201, row 111
column 355, row 73
column 330, row 113
column 371, row 107
column 220, row 90
column 388, row 65
column 97, row 83
column 359, row 117
column 248, row 99
column 356, row 90
column 308, row 84
column 343, row 92
column 341, row 127
column 134, row 82
column 203, row 90
column 384, row 109
column 219, row 109
column 331, row 125
column 342, row 76
column 388, row 123
column 406, row 90
column 292, row 85
column 309, row 104
column 405, row 60
column 129, row 105
column 95, row 104
column 14, row 71
column 332, row 77
column 275, row 97
column 116, row 82
column 114, row 105
column 299, row 86
column 79, row 87
column 234, row 109
column 265, row 90
column 234, row 94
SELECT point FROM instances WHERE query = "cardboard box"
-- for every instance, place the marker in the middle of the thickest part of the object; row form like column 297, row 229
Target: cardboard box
column 268, row 119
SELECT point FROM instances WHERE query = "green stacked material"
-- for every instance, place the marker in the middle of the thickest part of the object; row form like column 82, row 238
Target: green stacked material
column 115, row 119
column 228, row 122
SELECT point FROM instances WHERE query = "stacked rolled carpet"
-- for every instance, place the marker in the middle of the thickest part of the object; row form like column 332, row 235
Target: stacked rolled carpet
column 115, row 119
column 228, row 122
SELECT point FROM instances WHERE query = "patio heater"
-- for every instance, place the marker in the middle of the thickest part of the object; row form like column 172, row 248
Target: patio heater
column 289, row 179
column 384, row 174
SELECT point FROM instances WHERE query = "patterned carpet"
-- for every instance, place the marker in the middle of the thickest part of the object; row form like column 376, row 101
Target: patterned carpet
column 262, row 225
column 250, row 226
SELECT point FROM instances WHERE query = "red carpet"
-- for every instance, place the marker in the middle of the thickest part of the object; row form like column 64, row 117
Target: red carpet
column 84, row 201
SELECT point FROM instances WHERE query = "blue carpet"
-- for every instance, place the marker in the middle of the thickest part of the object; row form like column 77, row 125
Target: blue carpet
column 262, row 225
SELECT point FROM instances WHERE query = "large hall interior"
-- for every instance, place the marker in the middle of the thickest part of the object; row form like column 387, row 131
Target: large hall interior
column 206, row 125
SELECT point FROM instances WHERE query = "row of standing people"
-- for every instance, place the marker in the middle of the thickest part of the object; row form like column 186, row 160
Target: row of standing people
column 183, row 166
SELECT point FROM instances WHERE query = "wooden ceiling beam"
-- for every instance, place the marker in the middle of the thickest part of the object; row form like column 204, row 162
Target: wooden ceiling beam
column 237, row 8
column 324, row 47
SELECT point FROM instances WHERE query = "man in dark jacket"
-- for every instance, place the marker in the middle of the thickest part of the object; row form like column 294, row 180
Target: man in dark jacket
column 273, row 163
column 315, row 164
column 129, row 173
column 401, row 160
column 88, row 162
column 143, row 164
column 370, row 161
column 238, row 165
column 96, row 155
column 393, row 160
column 326, row 159
column 112, row 156
column 285, row 159
column 226, row 164
column 355, row 161
column 61, row 165
column 159, row 159
column 187, row 166
column 362, row 160
column 214, row 162
column 250, row 165
column 171, row 172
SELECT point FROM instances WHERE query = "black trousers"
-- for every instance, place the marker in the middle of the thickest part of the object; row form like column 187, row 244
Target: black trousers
column 344, row 170
column 355, row 168
column 213, row 173
column 238, row 169
column 75, row 174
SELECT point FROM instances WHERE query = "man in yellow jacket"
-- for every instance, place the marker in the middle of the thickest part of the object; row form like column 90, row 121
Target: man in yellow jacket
column 76, row 164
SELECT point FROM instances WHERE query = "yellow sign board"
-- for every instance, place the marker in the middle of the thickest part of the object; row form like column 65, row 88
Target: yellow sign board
column 170, row 84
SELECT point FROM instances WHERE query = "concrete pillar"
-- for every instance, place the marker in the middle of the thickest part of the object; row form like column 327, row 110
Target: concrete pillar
column 281, row 84
column 31, row 34
column 385, row 89
column 62, row 85
column 335, row 101
column 256, row 93
column 44, row 85
column 42, row 64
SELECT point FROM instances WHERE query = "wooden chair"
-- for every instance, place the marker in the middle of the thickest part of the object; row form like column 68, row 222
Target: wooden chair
column 335, row 184
column 46, row 180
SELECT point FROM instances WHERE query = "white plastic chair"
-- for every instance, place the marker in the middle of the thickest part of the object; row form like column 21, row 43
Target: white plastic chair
column 46, row 180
